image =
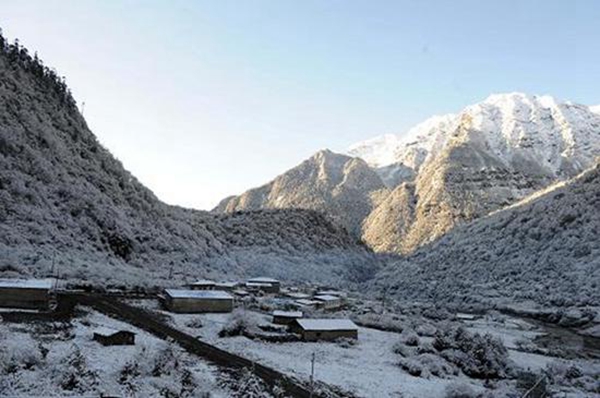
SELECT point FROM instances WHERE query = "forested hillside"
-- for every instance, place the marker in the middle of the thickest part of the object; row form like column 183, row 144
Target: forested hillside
column 544, row 248
column 68, row 206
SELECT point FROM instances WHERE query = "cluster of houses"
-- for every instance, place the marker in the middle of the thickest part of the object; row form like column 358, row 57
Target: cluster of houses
column 206, row 296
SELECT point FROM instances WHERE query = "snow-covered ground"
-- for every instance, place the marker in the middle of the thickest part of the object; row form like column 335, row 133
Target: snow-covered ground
column 369, row 368
column 61, row 359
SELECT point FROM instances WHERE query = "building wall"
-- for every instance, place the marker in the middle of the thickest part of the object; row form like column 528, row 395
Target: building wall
column 282, row 320
column 24, row 298
column 121, row 338
column 198, row 305
column 329, row 335
column 330, row 305
column 201, row 287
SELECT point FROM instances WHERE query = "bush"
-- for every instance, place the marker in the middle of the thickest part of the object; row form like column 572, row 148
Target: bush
column 410, row 339
column 459, row 390
column 247, row 385
column 165, row 362
column 20, row 354
column 75, row 375
column 345, row 342
column 426, row 329
column 240, row 323
column 403, row 350
column 195, row 323
column 428, row 365
column 388, row 322
column 476, row 355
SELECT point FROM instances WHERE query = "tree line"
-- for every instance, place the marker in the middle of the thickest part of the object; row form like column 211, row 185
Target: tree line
column 18, row 55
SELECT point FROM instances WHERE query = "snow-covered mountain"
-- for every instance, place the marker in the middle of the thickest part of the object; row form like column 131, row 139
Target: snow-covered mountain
column 342, row 186
column 456, row 168
column 445, row 171
column 544, row 248
column 555, row 135
column 67, row 204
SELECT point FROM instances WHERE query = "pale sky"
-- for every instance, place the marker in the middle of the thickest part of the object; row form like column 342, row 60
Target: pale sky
column 204, row 99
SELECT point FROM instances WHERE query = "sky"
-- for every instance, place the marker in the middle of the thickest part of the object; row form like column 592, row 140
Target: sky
column 205, row 99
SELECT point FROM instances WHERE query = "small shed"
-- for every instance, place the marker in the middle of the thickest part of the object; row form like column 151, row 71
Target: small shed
column 265, row 284
column 285, row 317
column 202, row 284
column 25, row 293
column 329, row 302
column 324, row 329
column 196, row 301
column 108, row 336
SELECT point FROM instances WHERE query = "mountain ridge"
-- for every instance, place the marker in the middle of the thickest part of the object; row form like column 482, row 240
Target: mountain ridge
column 452, row 169
column 68, row 206
column 543, row 249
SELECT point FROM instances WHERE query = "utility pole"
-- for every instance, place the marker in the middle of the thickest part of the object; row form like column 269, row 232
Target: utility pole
column 82, row 107
column 312, row 374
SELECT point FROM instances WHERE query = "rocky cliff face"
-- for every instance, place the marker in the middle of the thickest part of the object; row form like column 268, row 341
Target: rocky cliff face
column 444, row 172
column 66, row 204
column 467, row 165
column 544, row 248
column 339, row 185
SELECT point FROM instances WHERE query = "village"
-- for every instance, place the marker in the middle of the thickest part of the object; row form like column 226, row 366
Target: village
column 315, row 338
column 290, row 307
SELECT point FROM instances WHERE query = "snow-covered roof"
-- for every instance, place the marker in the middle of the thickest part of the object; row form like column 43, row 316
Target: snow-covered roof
column 199, row 294
column 227, row 284
column 258, row 284
column 106, row 331
column 26, row 283
column 298, row 295
column 288, row 314
column 331, row 293
column 203, row 282
column 326, row 324
column 307, row 302
column 263, row 279
column 326, row 297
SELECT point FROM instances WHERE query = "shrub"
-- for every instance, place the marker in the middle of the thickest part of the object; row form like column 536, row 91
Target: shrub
column 195, row 323
column 427, row 365
column 401, row 349
column 426, row 329
column 410, row 339
column 75, row 374
column 239, row 323
column 459, row 390
column 165, row 362
column 20, row 354
column 476, row 355
column 345, row 342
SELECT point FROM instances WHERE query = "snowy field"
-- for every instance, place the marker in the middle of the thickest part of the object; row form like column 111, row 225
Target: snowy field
column 370, row 368
column 61, row 359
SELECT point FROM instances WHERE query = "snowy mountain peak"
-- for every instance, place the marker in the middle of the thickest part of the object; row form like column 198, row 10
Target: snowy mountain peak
column 541, row 128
